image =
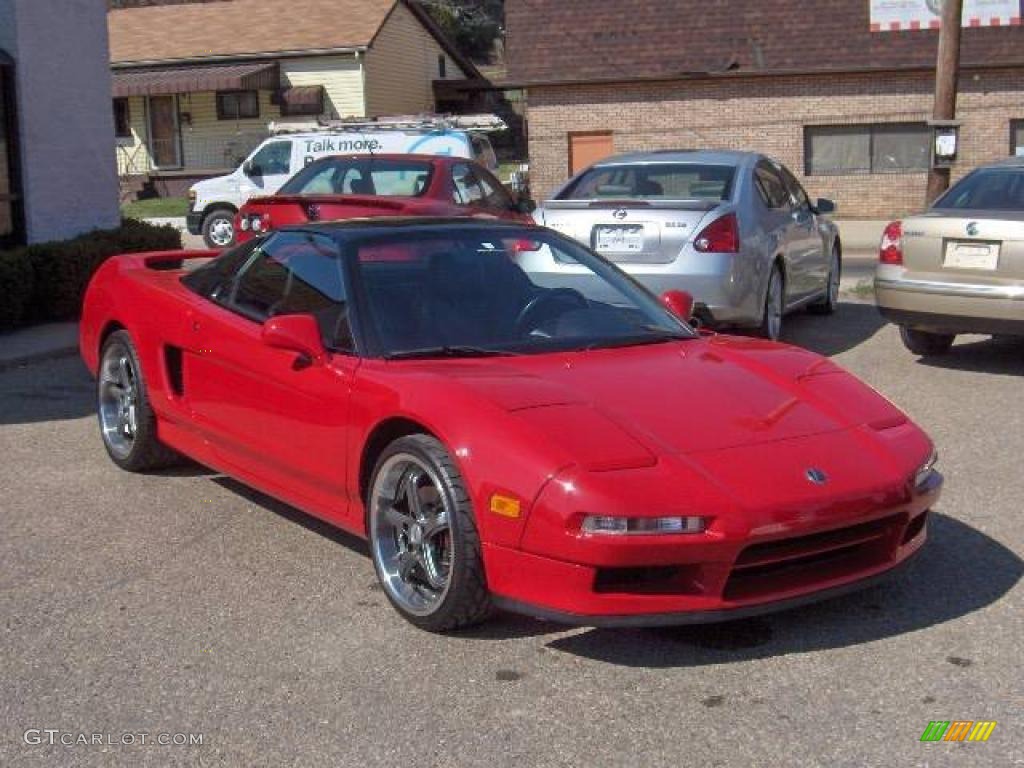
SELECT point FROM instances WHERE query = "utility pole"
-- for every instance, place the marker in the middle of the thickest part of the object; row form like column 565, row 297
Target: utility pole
column 947, row 72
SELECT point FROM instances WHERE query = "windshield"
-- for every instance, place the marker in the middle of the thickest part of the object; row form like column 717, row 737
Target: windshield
column 475, row 292
column 361, row 176
column 654, row 181
column 991, row 189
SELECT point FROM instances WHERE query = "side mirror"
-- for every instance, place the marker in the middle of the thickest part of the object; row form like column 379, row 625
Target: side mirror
column 525, row 205
column 824, row 205
column 679, row 303
column 295, row 333
column 251, row 169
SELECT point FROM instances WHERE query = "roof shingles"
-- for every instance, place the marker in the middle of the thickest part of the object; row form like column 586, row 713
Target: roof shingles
column 236, row 28
column 599, row 40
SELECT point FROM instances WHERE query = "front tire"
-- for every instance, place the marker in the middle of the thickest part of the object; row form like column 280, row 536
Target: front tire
column 423, row 537
column 925, row 343
column 830, row 303
column 219, row 228
column 774, row 306
column 127, row 422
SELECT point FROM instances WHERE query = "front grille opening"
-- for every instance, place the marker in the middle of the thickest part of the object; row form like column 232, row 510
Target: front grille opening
column 915, row 528
column 652, row 580
column 762, row 570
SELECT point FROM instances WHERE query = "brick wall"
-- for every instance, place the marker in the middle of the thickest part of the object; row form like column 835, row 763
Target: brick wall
column 768, row 115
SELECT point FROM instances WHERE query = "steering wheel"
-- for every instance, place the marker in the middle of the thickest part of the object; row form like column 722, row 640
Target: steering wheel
column 529, row 314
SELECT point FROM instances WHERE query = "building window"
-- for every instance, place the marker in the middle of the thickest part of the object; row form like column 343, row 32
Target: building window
column 442, row 67
column 853, row 149
column 237, row 105
column 122, row 119
column 1017, row 138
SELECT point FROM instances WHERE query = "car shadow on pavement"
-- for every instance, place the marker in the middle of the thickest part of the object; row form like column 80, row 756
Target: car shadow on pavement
column 57, row 390
column 310, row 523
column 852, row 324
column 999, row 355
column 960, row 571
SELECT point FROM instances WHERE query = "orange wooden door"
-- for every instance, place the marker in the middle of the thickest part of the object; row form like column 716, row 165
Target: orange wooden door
column 587, row 148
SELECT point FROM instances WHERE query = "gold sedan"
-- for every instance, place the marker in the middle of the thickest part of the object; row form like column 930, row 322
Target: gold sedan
column 959, row 267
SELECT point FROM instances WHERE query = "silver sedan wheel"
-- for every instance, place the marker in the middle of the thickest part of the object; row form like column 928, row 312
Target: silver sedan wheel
column 410, row 534
column 118, row 400
column 774, row 305
column 833, row 278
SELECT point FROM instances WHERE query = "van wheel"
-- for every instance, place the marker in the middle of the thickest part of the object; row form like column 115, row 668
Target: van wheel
column 926, row 344
column 219, row 228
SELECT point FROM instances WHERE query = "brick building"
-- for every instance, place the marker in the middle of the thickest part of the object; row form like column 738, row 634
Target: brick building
column 843, row 106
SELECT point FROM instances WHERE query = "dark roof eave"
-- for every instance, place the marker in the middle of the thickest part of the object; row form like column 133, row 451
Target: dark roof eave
column 238, row 57
column 737, row 74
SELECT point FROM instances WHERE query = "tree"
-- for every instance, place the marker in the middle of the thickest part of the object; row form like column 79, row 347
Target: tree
column 472, row 25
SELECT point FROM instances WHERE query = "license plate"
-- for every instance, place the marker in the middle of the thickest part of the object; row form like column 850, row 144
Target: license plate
column 971, row 255
column 624, row 239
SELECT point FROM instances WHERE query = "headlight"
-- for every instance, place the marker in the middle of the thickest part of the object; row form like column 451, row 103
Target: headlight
column 599, row 524
column 926, row 469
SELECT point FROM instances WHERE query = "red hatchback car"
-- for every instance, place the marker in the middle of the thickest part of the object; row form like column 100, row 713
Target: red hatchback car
column 335, row 188
column 507, row 432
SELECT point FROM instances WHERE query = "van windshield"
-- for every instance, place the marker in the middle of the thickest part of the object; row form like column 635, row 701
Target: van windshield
column 361, row 176
column 654, row 181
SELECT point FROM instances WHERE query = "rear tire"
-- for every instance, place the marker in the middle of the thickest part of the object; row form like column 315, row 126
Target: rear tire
column 219, row 228
column 423, row 537
column 127, row 422
column 925, row 343
column 774, row 306
column 830, row 303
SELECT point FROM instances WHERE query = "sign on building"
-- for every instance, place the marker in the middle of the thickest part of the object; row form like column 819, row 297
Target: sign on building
column 894, row 15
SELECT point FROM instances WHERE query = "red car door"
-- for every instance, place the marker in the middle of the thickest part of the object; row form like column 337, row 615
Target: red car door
column 279, row 421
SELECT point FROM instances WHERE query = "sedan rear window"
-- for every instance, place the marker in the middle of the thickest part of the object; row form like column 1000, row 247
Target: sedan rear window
column 654, row 181
column 361, row 176
column 991, row 189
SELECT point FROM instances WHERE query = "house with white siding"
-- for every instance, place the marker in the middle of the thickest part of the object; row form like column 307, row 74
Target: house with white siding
column 195, row 86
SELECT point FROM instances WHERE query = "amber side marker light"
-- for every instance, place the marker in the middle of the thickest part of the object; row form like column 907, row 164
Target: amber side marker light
column 506, row 506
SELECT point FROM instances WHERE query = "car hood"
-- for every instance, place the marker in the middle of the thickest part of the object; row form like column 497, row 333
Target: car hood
column 621, row 407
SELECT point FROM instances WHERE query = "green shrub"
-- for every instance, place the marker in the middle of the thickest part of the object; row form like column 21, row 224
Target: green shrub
column 46, row 282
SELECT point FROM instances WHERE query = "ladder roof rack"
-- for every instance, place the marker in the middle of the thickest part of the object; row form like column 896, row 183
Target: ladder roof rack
column 424, row 122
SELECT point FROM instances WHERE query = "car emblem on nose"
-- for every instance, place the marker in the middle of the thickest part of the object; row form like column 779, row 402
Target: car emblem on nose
column 816, row 476
column 313, row 212
column 972, row 228
column 620, row 213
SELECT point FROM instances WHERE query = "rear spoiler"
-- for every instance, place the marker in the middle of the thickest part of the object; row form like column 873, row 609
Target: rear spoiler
column 672, row 205
column 364, row 201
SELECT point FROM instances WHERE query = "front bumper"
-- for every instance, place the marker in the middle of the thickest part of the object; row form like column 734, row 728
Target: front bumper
column 194, row 222
column 650, row 581
column 946, row 307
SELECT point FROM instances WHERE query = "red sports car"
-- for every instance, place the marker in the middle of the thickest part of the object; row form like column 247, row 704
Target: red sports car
column 335, row 188
column 506, row 432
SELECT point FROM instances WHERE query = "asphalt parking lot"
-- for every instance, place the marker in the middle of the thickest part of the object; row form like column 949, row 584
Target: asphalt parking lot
column 183, row 603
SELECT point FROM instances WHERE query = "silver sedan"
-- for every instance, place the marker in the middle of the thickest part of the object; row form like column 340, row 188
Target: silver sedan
column 736, row 230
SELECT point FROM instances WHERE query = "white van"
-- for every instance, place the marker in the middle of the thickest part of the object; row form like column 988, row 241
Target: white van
column 213, row 203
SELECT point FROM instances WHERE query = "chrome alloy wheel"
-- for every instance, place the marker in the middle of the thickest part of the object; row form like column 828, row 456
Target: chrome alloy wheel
column 410, row 533
column 118, row 400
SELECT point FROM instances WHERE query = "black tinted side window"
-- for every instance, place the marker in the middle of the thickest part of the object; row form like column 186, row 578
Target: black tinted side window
column 770, row 186
column 207, row 279
column 295, row 273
